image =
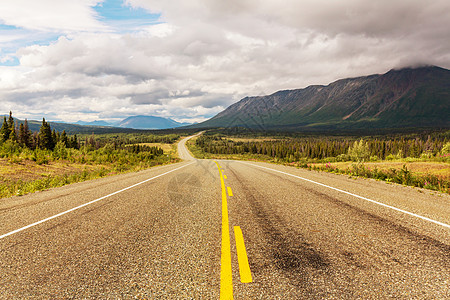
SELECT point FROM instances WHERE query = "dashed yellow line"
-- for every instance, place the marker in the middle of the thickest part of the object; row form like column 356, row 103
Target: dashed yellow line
column 230, row 192
column 244, row 268
column 226, row 279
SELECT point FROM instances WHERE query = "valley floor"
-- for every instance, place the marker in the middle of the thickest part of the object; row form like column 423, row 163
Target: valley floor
column 20, row 176
column 432, row 175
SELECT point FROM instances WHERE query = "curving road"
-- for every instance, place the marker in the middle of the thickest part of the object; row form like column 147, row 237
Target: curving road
column 202, row 229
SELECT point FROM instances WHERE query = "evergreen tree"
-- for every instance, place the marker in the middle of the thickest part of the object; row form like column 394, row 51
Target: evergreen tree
column 35, row 140
column 8, row 129
column 74, row 143
column 45, row 136
column 27, row 135
column 4, row 131
column 54, row 137
column 63, row 138
column 12, row 132
column 22, row 138
column 10, row 122
column 91, row 141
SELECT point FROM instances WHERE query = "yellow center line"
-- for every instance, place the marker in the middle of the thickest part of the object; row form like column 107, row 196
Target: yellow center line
column 230, row 192
column 244, row 268
column 226, row 279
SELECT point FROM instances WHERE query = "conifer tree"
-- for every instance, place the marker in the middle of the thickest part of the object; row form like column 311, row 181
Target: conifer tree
column 12, row 132
column 10, row 122
column 27, row 135
column 4, row 131
column 45, row 136
column 22, row 138
column 64, row 139
column 54, row 137
column 35, row 139
column 74, row 142
column 91, row 141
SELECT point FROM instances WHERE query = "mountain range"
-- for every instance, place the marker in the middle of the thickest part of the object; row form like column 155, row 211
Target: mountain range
column 410, row 97
column 149, row 122
column 138, row 122
column 93, row 123
column 130, row 124
column 404, row 98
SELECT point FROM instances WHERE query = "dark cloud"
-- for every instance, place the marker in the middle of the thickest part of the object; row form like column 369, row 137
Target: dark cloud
column 35, row 97
column 158, row 96
column 209, row 54
column 148, row 98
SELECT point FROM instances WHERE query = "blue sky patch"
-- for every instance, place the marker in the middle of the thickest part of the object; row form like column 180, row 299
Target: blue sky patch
column 7, row 27
column 14, row 38
column 116, row 14
column 123, row 17
column 10, row 61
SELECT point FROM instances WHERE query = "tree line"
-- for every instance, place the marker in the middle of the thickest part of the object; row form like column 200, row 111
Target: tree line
column 121, row 140
column 16, row 135
column 295, row 149
column 136, row 148
column 45, row 138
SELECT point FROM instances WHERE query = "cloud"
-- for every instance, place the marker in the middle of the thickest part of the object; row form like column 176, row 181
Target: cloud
column 60, row 15
column 208, row 54
column 370, row 29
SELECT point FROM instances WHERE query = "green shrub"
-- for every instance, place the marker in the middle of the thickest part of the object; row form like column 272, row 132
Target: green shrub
column 60, row 151
column 374, row 158
column 359, row 151
column 9, row 149
column 446, row 148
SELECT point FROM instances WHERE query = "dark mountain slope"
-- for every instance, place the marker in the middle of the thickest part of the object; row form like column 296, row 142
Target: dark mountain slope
column 418, row 97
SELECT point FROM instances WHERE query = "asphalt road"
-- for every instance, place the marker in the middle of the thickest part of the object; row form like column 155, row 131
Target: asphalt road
column 170, row 233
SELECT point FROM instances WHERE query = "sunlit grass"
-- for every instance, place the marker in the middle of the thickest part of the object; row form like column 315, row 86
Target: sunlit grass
column 417, row 172
column 40, row 169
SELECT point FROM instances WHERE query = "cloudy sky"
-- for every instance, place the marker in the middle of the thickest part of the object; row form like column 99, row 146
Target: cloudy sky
column 92, row 60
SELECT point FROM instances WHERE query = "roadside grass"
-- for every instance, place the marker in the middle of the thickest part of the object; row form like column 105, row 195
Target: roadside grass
column 422, row 173
column 400, row 175
column 167, row 148
column 30, row 171
column 416, row 167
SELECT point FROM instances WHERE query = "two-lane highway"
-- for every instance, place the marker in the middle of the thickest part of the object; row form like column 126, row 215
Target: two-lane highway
column 308, row 241
column 206, row 229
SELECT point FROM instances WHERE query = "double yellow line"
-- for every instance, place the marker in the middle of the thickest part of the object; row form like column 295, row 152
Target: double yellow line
column 226, row 278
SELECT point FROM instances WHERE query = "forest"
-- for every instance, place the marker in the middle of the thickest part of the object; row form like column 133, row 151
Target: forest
column 31, row 161
column 334, row 148
column 48, row 139
column 386, row 157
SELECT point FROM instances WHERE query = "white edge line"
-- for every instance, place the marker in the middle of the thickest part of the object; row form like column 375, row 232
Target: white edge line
column 357, row 196
column 88, row 203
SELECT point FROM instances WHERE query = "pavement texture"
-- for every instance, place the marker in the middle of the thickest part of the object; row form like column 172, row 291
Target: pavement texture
column 162, row 239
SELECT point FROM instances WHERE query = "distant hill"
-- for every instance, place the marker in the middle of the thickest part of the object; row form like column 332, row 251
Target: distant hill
column 94, row 123
column 410, row 97
column 76, row 129
column 128, row 125
column 35, row 125
column 149, row 122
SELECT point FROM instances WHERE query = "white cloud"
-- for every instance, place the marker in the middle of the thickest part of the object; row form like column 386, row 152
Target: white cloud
column 209, row 54
column 159, row 30
column 55, row 15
